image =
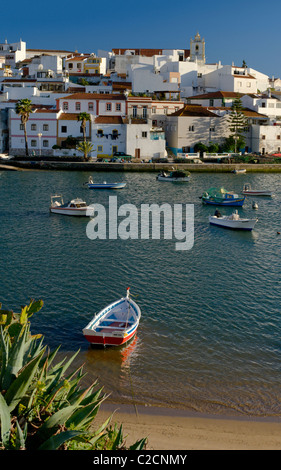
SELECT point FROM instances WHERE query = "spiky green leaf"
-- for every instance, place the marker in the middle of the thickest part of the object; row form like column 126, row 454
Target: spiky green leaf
column 5, row 421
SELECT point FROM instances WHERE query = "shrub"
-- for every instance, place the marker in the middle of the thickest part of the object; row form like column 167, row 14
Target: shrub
column 41, row 408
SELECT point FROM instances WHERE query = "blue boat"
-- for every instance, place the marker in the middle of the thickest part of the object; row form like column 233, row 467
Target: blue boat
column 104, row 185
column 221, row 197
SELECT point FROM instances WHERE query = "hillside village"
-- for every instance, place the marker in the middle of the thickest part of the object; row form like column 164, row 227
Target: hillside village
column 146, row 103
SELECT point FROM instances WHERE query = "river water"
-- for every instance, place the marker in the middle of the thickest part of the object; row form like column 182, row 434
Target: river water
column 209, row 336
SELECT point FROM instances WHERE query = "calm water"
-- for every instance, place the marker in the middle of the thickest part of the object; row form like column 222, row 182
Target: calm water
column 209, row 337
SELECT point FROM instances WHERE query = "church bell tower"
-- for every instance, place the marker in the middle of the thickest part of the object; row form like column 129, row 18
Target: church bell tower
column 197, row 49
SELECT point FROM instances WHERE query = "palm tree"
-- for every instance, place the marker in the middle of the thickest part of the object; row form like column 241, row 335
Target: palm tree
column 24, row 108
column 84, row 117
column 86, row 148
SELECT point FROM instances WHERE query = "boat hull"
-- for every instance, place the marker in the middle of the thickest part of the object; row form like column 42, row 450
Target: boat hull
column 240, row 224
column 106, row 185
column 173, row 180
column 106, row 340
column 224, row 202
column 257, row 193
column 70, row 211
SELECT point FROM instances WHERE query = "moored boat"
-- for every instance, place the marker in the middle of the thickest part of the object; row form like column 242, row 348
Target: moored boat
column 248, row 191
column 104, row 185
column 115, row 325
column 238, row 171
column 177, row 176
column 222, row 197
column 76, row 207
column 233, row 221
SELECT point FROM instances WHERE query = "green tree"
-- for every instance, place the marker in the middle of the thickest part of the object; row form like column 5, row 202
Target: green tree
column 84, row 117
column 24, row 108
column 237, row 122
column 85, row 147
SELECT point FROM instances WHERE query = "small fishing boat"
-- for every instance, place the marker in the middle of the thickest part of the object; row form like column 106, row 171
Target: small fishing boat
column 115, row 324
column 221, row 197
column 238, row 171
column 233, row 221
column 104, row 185
column 248, row 191
column 76, row 207
column 177, row 176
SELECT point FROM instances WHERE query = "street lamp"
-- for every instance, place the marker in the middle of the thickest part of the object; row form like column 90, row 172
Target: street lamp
column 39, row 137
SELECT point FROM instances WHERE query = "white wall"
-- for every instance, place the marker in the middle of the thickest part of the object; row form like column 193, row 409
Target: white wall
column 44, row 123
column 139, row 136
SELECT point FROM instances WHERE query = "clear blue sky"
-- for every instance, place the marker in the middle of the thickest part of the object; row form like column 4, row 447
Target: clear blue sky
column 233, row 31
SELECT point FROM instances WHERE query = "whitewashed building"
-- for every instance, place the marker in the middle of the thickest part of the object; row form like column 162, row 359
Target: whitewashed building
column 41, row 132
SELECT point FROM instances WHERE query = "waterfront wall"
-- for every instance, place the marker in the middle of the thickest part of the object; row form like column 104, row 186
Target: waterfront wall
column 141, row 167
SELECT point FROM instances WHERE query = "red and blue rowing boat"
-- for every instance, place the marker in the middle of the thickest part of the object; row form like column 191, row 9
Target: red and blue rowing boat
column 115, row 324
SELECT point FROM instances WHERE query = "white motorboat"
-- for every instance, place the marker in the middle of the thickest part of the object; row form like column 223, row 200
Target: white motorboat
column 248, row 191
column 233, row 221
column 239, row 171
column 76, row 207
column 175, row 176
column 104, row 185
column 115, row 324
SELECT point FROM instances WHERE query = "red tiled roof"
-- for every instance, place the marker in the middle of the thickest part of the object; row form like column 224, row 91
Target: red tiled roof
column 109, row 120
column 94, row 96
column 68, row 116
column 194, row 110
column 216, row 94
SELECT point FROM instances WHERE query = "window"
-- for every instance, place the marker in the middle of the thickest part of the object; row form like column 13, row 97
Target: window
column 249, row 84
column 78, row 106
column 144, row 135
column 45, row 127
column 64, row 129
column 114, row 149
column 33, row 143
column 45, row 143
column 100, row 133
column 70, row 65
column 191, row 128
column 211, row 102
column 90, row 106
column 278, row 105
column 21, row 127
column 271, row 105
column 135, row 111
column 212, row 129
column 108, row 106
column 99, row 148
column 118, row 106
column 33, row 127
column 65, row 106
column 165, row 110
column 263, row 137
column 144, row 112
column 153, row 109
column 79, row 65
column 278, row 137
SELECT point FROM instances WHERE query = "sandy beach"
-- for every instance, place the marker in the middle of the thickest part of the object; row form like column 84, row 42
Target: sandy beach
column 168, row 429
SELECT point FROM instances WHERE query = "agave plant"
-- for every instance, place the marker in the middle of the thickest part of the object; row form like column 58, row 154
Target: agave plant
column 41, row 408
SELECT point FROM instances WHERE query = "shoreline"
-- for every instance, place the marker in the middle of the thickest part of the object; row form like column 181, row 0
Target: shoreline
column 173, row 429
column 137, row 167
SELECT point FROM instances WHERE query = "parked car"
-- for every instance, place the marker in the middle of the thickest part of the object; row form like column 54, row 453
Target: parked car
column 122, row 155
column 276, row 154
